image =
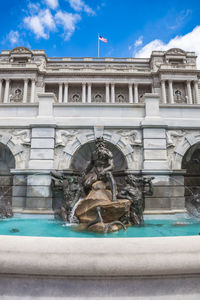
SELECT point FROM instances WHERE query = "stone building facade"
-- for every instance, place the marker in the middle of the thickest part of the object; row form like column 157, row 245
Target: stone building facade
column 52, row 110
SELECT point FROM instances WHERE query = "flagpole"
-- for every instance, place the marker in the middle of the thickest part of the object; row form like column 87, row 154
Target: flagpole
column 98, row 45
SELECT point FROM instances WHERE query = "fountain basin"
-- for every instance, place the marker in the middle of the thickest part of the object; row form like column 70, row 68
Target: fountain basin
column 99, row 257
column 102, row 266
column 47, row 226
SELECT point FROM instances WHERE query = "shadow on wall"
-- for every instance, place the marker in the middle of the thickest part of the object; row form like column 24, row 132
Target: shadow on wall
column 191, row 162
column 7, row 162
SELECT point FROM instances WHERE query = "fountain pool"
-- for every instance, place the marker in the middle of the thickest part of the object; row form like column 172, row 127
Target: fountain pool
column 47, row 226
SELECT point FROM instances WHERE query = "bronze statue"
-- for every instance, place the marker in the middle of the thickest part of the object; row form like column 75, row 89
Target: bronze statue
column 101, row 208
column 100, row 167
column 71, row 192
column 135, row 192
column 6, row 210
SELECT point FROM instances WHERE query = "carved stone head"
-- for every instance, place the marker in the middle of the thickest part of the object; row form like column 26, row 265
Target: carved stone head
column 100, row 143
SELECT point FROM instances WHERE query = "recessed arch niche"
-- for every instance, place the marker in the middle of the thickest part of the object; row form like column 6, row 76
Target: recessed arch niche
column 7, row 162
column 83, row 155
column 191, row 163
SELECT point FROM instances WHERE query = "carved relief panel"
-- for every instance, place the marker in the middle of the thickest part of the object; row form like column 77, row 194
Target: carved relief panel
column 16, row 91
column 98, row 93
column 121, row 94
column 75, row 93
column 179, row 92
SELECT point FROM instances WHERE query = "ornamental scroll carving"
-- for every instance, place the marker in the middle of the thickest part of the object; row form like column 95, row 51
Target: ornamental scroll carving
column 18, row 141
column 133, row 137
column 20, row 50
column 64, row 136
column 173, row 138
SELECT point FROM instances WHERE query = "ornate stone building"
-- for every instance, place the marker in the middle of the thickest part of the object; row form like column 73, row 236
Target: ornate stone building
column 52, row 109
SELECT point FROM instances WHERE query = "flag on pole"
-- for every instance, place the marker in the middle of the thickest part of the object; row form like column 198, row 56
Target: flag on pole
column 102, row 39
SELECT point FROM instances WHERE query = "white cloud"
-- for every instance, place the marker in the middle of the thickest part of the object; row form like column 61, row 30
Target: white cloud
column 33, row 7
column 139, row 41
column 180, row 19
column 187, row 42
column 79, row 5
column 41, row 23
column 68, row 21
column 52, row 3
column 13, row 37
column 47, row 19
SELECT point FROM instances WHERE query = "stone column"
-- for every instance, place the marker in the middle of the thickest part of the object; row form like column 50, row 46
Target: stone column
column 136, row 100
column 112, row 93
column 66, row 93
column 196, row 91
column 83, row 92
column 107, row 93
column 130, row 88
column 189, row 92
column 154, row 135
column 168, row 194
column 163, row 92
column 171, row 97
column 60, row 95
column 25, row 90
column 89, row 93
column 1, row 81
column 39, row 195
column 32, row 90
column 6, row 100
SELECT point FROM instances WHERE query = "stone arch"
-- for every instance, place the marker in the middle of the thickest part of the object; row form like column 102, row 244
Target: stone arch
column 16, row 150
column 83, row 154
column 7, row 162
column 181, row 149
column 89, row 137
column 7, row 159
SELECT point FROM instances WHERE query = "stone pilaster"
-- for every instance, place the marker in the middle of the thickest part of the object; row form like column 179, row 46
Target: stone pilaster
column 1, row 82
column 136, row 98
column 6, row 92
column 39, row 195
column 189, row 92
column 168, row 195
column 32, row 90
column 60, row 94
column 171, row 96
column 83, row 92
column 25, row 90
column 107, row 93
column 112, row 93
column 163, row 92
column 89, row 93
column 66, row 87
column 154, row 135
column 196, row 92
column 130, row 88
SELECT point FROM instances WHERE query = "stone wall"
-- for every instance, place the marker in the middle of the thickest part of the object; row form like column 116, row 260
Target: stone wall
column 138, row 135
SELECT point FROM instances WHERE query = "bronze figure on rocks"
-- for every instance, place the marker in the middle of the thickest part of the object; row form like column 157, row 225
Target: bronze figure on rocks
column 72, row 191
column 135, row 190
column 100, row 167
column 6, row 210
column 94, row 199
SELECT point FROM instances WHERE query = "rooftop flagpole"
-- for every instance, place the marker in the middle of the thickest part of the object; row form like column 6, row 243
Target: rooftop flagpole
column 98, row 45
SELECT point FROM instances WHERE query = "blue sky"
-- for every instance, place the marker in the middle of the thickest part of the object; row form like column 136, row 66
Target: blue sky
column 70, row 27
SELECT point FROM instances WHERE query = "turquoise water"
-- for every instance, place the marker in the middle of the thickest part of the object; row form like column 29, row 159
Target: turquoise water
column 154, row 226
